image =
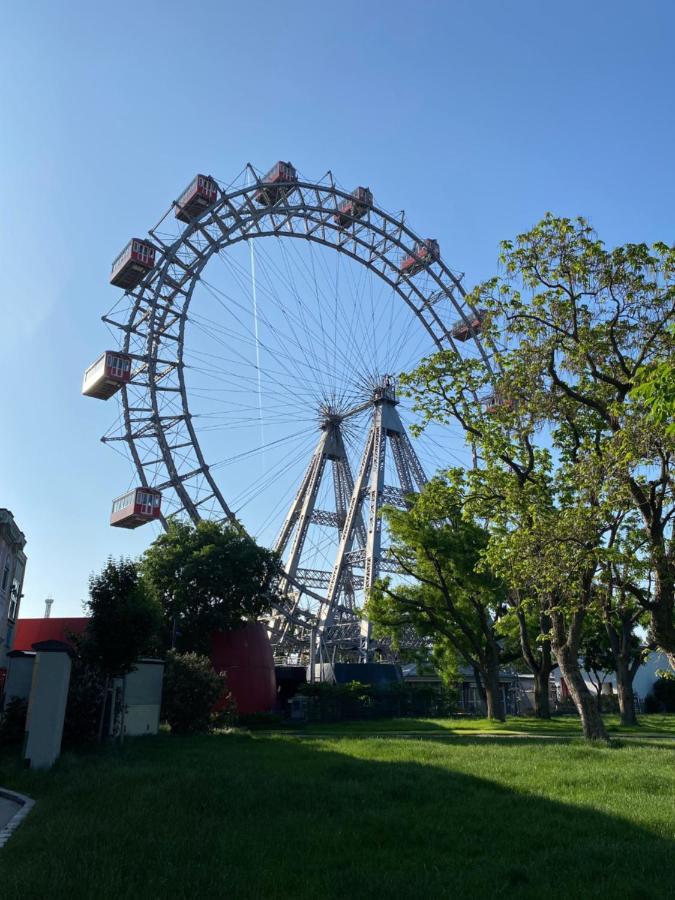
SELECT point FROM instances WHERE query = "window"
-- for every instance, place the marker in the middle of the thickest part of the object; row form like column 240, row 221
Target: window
column 117, row 365
column 5, row 577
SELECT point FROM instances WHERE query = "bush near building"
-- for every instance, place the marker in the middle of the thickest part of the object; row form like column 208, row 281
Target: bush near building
column 191, row 691
column 662, row 697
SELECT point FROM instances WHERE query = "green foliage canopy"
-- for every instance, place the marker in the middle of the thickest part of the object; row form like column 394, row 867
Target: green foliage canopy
column 124, row 619
column 208, row 577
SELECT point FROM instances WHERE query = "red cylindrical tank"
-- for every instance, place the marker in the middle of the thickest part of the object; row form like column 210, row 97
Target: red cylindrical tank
column 245, row 656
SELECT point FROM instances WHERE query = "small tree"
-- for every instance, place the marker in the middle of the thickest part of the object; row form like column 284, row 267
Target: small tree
column 191, row 690
column 124, row 618
column 208, row 577
column 452, row 600
column 123, row 625
column 597, row 656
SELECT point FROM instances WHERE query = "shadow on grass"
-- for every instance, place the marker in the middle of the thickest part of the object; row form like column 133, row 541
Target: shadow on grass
column 261, row 817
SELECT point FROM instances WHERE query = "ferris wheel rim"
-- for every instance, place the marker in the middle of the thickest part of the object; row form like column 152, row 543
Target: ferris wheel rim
column 150, row 297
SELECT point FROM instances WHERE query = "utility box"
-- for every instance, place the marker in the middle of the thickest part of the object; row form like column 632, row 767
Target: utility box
column 47, row 704
column 298, row 708
column 142, row 697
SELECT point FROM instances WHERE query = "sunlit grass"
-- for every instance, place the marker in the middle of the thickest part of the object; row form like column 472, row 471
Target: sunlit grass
column 272, row 816
column 649, row 726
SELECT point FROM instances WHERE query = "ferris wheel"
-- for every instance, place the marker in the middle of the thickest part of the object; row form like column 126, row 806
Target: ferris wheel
column 262, row 326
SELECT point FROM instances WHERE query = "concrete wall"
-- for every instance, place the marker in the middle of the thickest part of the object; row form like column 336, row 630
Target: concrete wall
column 19, row 675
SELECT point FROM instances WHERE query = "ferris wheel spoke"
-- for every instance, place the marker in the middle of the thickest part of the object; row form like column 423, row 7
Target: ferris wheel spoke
column 280, row 351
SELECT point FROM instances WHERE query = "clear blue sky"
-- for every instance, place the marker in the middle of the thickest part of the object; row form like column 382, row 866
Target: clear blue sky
column 475, row 117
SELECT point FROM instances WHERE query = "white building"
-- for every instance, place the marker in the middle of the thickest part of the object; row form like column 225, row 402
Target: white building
column 12, row 568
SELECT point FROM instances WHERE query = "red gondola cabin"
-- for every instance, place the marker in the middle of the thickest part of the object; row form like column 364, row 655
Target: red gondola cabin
column 107, row 375
column 462, row 331
column 355, row 207
column 138, row 506
column 200, row 193
column 424, row 253
column 137, row 258
column 496, row 402
column 275, row 184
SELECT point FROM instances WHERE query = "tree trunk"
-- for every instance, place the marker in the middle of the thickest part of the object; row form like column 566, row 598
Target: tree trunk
column 662, row 606
column 540, row 664
column 624, row 667
column 542, row 705
column 587, row 706
column 624, row 687
column 566, row 648
column 101, row 720
column 493, row 693
column 480, row 687
column 662, row 626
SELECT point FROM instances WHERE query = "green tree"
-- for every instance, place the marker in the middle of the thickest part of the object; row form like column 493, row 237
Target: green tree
column 451, row 599
column 584, row 325
column 565, row 445
column 124, row 624
column 597, row 655
column 124, row 619
column 655, row 384
column 528, row 627
column 623, row 589
column 208, row 577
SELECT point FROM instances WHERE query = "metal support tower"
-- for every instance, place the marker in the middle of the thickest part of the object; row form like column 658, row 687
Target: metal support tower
column 358, row 505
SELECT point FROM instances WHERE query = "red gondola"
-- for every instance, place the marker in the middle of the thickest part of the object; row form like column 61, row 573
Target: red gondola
column 462, row 331
column 496, row 402
column 276, row 184
column 107, row 375
column 200, row 193
column 355, row 207
column 424, row 253
column 138, row 506
column 129, row 268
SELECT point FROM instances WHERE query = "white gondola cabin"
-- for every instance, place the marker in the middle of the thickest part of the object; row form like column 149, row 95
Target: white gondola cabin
column 424, row 253
column 463, row 330
column 107, row 375
column 197, row 196
column 355, row 207
column 138, row 506
column 132, row 264
column 276, row 184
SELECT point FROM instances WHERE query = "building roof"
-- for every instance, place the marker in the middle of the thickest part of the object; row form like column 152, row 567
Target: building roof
column 31, row 631
column 11, row 530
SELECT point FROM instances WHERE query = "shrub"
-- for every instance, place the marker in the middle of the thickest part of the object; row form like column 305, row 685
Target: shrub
column 85, row 699
column 191, row 690
column 662, row 697
column 13, row 722
column 259, row 721
column 354, row 700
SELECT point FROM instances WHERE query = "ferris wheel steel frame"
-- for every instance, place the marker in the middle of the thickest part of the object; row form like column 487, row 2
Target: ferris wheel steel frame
column 156, row 422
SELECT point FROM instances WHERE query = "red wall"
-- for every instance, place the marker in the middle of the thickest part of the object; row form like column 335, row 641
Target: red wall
column 30, row 631
column 246, row 658
column 245, row 655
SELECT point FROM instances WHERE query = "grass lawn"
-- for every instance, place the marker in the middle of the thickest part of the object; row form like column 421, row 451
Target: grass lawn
column 272, row 816
column 651, row 726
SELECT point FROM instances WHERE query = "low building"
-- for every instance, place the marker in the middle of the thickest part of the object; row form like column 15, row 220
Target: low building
column 12, row 570
column 469, row 698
